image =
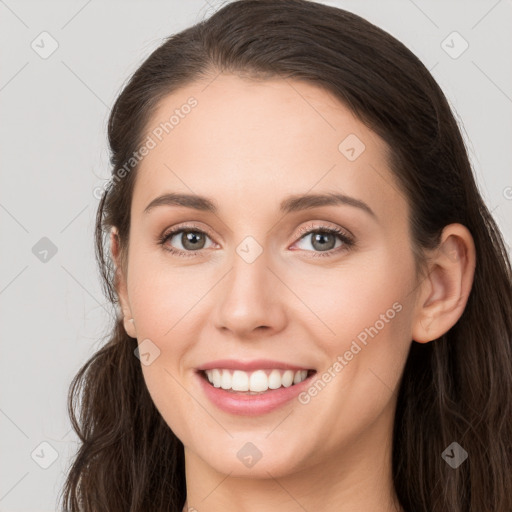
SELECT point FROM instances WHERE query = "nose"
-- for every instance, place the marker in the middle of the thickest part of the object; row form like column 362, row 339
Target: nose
column 251, row 300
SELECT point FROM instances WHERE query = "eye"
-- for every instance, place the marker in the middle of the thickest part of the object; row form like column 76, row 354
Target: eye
column 191, row 239
column 324, row 239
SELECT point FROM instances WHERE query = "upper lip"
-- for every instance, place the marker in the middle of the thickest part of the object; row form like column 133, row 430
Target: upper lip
column 255, row 364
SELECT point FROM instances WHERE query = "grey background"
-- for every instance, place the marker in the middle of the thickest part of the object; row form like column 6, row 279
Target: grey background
column 53, row 154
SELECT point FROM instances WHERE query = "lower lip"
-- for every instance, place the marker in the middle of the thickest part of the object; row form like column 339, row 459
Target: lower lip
column 251, row 405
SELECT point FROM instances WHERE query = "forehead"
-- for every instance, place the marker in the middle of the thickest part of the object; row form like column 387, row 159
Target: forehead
column 252, row 142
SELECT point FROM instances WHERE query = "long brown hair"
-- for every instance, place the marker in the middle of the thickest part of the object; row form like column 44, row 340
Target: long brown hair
column 456, row 388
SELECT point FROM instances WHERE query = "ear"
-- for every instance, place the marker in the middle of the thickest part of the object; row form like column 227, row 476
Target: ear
column 121, row 286
column 445, row 291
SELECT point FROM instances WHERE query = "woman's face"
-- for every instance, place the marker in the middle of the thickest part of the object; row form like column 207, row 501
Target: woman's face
column 261, row 277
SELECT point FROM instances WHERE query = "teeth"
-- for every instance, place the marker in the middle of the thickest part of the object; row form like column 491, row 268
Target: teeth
column 240, row 381
column 258, row 381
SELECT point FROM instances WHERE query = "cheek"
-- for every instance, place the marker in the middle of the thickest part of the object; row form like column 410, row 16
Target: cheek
column 363, row 365
column 165, row 302
column 163, row 296
column 362, row 324
column 169, row 394
column 343, row 300
column 371, row 318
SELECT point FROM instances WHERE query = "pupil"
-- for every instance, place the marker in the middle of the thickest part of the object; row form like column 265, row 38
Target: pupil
column 192, row 238
column 320, row 238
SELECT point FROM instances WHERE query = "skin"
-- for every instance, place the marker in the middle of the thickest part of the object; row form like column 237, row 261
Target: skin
column 247, row 145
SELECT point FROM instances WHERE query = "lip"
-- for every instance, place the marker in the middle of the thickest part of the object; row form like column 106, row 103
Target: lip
column 251, row 405
column 255, row 364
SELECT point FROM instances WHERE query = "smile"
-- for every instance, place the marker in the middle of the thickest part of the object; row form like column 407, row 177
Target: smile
column 258, row 381
column 252, row 393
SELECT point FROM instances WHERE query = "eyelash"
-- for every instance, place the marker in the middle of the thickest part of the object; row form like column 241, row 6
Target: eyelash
column 347, row 240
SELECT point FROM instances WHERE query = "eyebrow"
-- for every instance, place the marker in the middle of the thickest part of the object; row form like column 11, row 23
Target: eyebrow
column 290, row 204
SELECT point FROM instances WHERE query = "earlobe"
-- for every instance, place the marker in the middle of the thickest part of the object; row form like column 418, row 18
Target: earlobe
column 445, row 291
column 129, row 326
column 120, row 285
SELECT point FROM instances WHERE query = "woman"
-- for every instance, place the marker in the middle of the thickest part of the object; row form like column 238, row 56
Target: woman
column 314, row 301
